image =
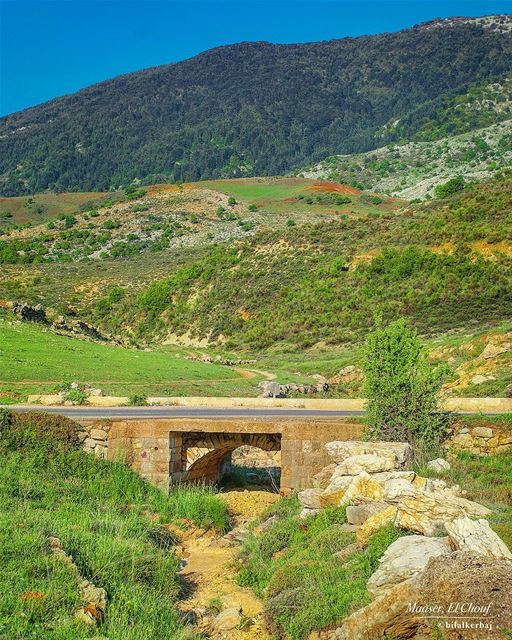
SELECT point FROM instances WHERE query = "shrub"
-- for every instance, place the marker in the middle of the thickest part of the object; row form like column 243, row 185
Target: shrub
column 76, row 396
column 450, row 187
column 138, row 400
column 401, row 387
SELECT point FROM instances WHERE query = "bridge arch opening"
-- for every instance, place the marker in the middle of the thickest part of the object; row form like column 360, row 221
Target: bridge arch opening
column 208, row 457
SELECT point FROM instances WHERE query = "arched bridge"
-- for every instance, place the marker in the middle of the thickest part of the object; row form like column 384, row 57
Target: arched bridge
column 172, row 450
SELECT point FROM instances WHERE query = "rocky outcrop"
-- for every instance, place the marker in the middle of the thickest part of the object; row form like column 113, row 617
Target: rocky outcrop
column 372, row 473
column 28, row 312
column 403, row 559
column 417, row 606
column 399, row 452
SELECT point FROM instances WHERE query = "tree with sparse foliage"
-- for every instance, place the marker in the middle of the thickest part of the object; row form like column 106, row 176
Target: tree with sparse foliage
column 402, row 388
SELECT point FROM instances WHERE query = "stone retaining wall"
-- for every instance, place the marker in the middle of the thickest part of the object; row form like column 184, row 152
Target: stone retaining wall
column 484, row 437
column 94, row 438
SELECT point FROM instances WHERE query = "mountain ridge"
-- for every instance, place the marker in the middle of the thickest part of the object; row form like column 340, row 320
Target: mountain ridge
column 243, row 109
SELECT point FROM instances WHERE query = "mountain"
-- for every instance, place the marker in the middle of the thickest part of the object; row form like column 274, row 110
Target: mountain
column 252, row 108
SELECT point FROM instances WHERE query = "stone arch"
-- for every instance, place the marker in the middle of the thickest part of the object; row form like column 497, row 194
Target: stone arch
column 204, row 455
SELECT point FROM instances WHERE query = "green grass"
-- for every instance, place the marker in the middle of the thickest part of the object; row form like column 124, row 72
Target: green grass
column 291, row 195
column 45, row 206
column 108, row 520
column 35, row 360
column 291, row 566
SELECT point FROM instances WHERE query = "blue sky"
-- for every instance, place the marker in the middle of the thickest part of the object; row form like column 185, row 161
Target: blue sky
column 50, row 48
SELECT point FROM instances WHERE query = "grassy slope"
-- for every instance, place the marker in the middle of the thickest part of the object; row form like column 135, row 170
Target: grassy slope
column 107, row 519
column 44, row 206
column 291, row 566
column 35, row 360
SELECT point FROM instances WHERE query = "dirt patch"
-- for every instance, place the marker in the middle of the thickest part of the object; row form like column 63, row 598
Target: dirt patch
column 333, row 187
column 210, row 572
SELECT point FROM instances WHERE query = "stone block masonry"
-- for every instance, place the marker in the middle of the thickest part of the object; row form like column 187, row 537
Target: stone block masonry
column 182, row 449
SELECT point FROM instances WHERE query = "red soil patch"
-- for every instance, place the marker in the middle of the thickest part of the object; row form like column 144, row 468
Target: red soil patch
column 333, row 187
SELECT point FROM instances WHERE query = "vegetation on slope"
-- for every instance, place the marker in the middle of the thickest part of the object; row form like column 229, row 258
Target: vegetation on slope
column 173, row 217
column 291, row 566
column 289, row 563
column 413, row 169
column 107, row 519
column 250, row 108
column 444, row 267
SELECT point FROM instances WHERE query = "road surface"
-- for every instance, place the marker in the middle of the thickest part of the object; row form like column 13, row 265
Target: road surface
column 91, row 413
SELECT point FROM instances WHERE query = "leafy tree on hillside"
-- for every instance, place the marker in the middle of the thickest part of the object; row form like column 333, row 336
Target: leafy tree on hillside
column 401, row 386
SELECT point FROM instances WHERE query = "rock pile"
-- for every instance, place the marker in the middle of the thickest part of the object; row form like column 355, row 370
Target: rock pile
column 228, row 362
column 95, row 440
column 94, row 598
column 30, row 313
column 372, row 480
column 272, row 389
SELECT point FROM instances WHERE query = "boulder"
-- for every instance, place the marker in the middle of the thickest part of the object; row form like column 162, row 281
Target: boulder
column 374, row 523
column 427, row 511
column 403, row 559
column 369, row 462
column 384, row 476
column 98, row 434
column 399, row 452
column 322, row 479
column 483, row 432
column 478, row 537
column 439, row 465
column 310, row 498
column 307, row 513
column 362, row 487
column 494, row 350
column 357, row 514
column 396, row 489
column 461, row 577
column 227, row 620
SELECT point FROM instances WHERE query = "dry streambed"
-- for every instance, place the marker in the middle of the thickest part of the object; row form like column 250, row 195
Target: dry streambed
column 214, row 603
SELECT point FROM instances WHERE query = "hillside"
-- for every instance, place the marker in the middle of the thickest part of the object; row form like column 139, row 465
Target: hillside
column 413, row 170
column 164, row 217
column 251, row 108
column 86, row 547
column 444, row 265
column 296, row 287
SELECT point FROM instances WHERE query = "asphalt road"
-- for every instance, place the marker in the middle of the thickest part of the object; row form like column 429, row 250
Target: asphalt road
column 183, row 412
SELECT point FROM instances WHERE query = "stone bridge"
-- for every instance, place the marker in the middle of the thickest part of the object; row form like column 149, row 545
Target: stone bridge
column 171, row 450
